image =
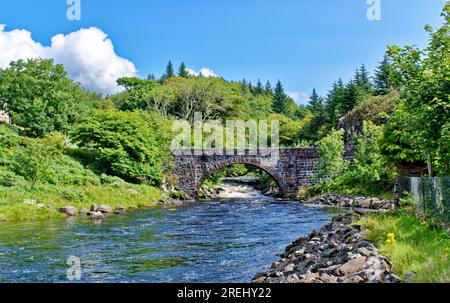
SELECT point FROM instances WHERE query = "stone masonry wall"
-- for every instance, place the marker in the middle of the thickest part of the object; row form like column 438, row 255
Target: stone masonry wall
column 291, row 169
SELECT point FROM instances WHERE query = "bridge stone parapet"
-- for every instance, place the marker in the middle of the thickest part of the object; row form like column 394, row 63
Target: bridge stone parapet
column 291, row 168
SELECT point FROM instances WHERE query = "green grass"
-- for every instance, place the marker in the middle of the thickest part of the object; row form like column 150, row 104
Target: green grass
column 419, row 246
column 12, row 207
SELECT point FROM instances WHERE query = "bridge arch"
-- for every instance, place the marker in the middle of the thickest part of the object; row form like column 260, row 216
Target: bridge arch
column 233, row 161
column 291, row 169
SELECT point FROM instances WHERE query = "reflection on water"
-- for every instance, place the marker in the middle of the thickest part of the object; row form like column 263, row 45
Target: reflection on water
column 214, row 241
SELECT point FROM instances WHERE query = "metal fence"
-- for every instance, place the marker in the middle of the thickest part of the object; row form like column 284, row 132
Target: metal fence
column 430, row 195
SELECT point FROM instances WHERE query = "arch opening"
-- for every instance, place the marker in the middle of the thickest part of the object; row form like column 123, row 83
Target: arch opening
column 219, row 180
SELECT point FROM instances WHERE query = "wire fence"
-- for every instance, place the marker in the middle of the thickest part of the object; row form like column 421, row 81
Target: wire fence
column 430, row 195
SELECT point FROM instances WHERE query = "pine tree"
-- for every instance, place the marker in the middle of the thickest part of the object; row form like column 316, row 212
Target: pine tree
column 170, row 72
column 151, row 77
column 381, row 78
column 259, row 89
column 353, row 95
column 315, row 101
column 244, row 86
column 268, row 88
column 182, row 71
column 280, row 99
column 334, row 101
column 362, row 79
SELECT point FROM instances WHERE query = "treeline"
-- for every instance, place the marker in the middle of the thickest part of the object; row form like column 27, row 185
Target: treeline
column 127, row 134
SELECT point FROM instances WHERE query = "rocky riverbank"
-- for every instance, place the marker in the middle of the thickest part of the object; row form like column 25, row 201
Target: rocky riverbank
column 338, row 253
column 366, row 203
column 99, row 212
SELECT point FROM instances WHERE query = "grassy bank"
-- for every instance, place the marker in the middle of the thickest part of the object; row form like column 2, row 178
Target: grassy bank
column 413, row 246
column 13, row 208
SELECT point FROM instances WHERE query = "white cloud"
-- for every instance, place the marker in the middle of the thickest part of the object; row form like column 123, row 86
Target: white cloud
column 204, row 71
column 299, row 97
column 88, row 55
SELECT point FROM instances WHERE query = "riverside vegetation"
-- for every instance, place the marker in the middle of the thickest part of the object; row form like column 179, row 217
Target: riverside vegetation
column 68, row 146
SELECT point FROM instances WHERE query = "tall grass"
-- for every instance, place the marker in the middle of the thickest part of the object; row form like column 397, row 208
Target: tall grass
column 419, row 251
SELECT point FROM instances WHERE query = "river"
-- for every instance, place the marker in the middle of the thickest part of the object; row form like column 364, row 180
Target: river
column 223, row 240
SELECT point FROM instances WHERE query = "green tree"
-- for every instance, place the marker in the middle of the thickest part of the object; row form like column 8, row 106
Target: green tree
column 424, row 79
column 334, row 102
column 259, row 88
column 331, row 155
column 280, row 99
column 362, row 79
column 268, row 88
column 130, row 145
column 182, row 71
column 315, row 102
column 370, row 170
column 382, row 82
column 33, row 162
column 353, row 95
column 170, row 72
column 41, row 98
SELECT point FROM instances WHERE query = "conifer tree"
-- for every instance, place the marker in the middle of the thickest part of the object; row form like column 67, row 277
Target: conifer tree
column 315, row 101
column 280, row 99
column 353, row 95
column 169, row 72
column 362, row 79
column 259, row 89
column 334, row 101
column 381, row 78
column 268, row 88
column 182, row 71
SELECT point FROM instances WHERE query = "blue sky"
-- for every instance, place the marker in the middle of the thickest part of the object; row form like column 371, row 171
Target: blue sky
column 305, row 44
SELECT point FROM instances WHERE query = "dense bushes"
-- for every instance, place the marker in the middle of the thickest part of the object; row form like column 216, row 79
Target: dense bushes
column 131, row 145
column 369, row 173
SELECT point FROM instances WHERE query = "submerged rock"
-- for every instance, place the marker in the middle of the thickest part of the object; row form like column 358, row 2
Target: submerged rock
column 119, row 210
column 97, row 216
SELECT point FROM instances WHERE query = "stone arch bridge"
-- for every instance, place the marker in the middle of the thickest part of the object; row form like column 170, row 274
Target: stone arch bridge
column 291, row 168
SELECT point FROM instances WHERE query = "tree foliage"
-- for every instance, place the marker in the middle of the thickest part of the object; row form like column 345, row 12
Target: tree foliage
column 41, row 98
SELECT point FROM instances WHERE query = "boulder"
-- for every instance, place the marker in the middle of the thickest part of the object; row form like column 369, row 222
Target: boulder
column 69, row 210
column 119, row 210
column 94, row 207
column 105, row 209
column 97, row 216
column 351, row 266
column 84, row 211
column 353, row 279
column 31, row 202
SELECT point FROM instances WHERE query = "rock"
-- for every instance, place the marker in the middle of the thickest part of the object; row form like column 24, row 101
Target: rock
column 69, row 210
column 41, row 205
column 353, row 279
column 105, row 209
column 351, row 266
column 289, row 268
column 259, row 280
column 365, row 203
column 31, row 202
column 119, row 210
column 338, row 253
column 84, row 211
column 326, row 278
column 97, row 216
column 94, row 207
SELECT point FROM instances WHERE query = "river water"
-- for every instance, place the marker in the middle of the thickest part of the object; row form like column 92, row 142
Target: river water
column 226, row 240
